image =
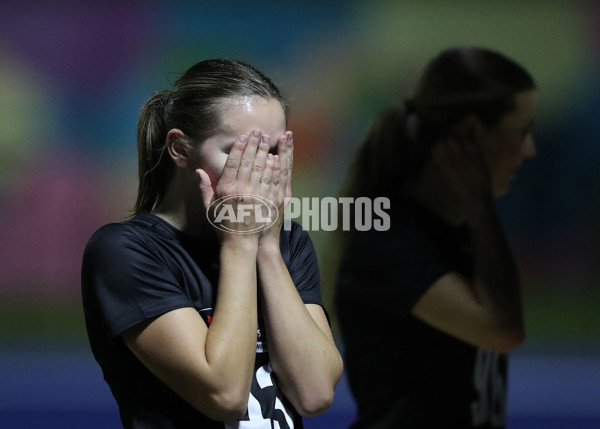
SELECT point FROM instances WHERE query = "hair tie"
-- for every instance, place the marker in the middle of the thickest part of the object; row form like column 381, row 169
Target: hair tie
column 168, row 105
column 170, row 99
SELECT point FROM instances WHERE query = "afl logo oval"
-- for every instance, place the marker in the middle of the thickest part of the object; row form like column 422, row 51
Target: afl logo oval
column 242, row 214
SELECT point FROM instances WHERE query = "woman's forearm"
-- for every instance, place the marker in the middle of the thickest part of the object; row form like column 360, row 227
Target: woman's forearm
column 301, row 348
column 495, row 275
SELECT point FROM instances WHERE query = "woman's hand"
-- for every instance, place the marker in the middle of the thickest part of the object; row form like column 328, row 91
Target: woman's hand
column 276, row 184
column 462, row 162
column 245, row 177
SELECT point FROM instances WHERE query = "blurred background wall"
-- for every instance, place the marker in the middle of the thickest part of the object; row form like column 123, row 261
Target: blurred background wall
column 74, row 75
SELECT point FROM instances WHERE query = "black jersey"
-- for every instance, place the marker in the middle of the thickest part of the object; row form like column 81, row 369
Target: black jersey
column 402, row 372
column 144, row 267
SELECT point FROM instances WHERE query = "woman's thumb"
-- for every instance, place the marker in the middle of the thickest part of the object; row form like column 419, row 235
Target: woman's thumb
column 205, row 187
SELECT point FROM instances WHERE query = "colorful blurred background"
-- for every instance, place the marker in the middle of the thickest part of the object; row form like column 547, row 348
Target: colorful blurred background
column 74, row 75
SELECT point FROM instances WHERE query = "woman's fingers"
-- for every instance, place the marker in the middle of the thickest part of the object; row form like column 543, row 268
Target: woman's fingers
column 251, row 169
column 258, row 168
column 290, row 163
column 245, row 163
column 248, row 159
column 282, row 152
column 463, row 165
column 267, row 177
column 232, row 165
column 276, row 173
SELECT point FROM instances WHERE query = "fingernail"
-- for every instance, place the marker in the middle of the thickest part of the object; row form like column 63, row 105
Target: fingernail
column 284, row 139
column 243, row 139
column 266, row 139
column 256, row 134
column 270, row 157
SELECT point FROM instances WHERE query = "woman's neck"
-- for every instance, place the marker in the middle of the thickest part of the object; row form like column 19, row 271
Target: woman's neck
column 185, row 212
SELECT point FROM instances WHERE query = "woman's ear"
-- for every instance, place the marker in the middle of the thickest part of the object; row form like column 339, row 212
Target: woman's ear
column 177, row 148
column 468, row 128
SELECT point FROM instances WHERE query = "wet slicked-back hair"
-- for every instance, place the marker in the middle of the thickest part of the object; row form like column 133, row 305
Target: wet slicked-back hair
column 193, row 106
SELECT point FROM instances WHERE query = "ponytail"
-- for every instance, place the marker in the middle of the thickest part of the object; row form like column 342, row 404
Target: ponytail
column 154, row 169
column 388, row 156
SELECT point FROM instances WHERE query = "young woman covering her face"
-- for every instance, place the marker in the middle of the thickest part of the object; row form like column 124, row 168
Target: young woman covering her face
column 429, row 308
column 192, row 326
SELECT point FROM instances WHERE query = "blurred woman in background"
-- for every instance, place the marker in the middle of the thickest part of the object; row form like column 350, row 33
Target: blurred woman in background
column 429, row 308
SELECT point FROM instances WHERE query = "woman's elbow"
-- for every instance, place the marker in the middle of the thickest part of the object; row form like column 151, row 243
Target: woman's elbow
column 315, row 403
column 224, row 406
column 515, row 338
column 508, row 339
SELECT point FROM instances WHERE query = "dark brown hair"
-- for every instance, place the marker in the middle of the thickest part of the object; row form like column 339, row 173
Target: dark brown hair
column 456, row 83
column 193, row 106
